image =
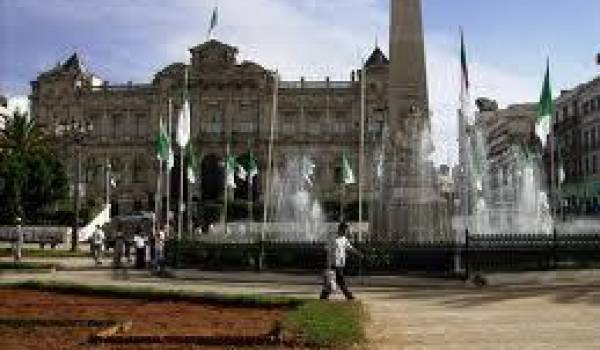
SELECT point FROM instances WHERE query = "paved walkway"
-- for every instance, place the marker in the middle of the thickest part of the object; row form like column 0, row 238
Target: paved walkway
column 409, row 313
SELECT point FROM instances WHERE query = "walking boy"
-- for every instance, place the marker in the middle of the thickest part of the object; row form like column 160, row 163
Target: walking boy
column 336, row 260
column 97, row 241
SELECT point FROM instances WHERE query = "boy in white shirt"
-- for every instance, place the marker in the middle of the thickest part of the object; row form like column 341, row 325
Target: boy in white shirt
column 97, row 242
column 336, row 260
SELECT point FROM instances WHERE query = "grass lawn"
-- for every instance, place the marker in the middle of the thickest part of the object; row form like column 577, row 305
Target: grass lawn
column 314, row 323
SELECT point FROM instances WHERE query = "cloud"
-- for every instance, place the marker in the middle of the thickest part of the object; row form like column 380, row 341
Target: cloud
column 487, row 80
column 127, row 40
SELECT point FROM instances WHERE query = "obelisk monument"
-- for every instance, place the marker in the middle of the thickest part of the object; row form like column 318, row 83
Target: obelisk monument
column 410, row 199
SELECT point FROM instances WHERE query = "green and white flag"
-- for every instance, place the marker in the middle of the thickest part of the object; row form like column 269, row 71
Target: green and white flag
column 230, row 168
column 347, row 174
column 241, row 172
column 252, row 167
column 183, row 125
column 249, row 167
column 192, row 163
column 545, row 109
column 561, row 174
column 164, row 152
column 162, row 143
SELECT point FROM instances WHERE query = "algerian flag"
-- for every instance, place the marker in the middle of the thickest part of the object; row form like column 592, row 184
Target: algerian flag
column 214, row 20
column 192, row 163
column 252, row 167
column 171, row 160
column 183, row 125
column 542, row 124
column 241, row 172
column 164, row 152
column 347, row 174
column 249, row 168
column 465, row 98
column 230, row 167
column 561, row 174
column 162, row 143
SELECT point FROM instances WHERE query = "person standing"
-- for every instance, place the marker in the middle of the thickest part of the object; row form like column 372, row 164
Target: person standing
column 18, row 242
column 119, row 250
column 159, row 246
column 336, row 261
column 97, row 242
column 140, row 251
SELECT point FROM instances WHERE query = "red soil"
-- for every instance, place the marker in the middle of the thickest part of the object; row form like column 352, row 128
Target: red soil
column 148, row 318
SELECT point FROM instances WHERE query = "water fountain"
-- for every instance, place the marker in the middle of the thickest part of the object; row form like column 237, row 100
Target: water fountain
column 295, row 215
column 295, row 211
column 491, row 212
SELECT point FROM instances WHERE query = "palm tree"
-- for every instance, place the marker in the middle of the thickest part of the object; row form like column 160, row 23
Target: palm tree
column 22, row 135
column 32, row 174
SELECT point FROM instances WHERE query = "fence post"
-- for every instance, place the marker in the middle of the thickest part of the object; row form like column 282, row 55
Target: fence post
column 467, row 258
column 261, row 256
column 554, row 249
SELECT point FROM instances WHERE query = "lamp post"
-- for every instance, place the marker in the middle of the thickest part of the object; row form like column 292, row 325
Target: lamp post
column 74, row 131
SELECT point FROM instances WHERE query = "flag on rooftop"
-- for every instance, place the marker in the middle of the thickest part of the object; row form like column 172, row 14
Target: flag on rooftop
column 545, row 109
column 214, row 21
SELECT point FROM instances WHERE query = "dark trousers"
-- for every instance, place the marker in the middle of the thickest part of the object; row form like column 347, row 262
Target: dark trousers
column 339, row 280
column 140, row 258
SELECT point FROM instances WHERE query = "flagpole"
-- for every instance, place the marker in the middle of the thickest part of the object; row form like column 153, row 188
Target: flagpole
column 188, row 208
column 268, row 181
column 182, row 145
column 158, row 194
column 168, row 184
column 225, row 190
column 361, row 148
column 553, row 186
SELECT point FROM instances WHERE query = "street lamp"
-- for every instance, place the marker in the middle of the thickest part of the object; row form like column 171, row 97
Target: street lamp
column 74, row 132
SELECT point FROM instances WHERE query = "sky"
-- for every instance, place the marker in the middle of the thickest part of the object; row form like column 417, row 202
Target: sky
column 121, row 40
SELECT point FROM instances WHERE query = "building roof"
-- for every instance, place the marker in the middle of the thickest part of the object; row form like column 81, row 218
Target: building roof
column 377, row 58
column 71, row 63
column 211, row 44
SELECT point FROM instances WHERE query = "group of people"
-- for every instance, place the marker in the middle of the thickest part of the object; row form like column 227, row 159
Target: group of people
column 149, row 250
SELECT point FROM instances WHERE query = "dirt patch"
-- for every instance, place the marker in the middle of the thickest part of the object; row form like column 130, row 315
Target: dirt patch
column 147, row 317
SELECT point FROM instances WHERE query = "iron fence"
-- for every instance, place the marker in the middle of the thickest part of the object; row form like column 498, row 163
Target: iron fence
column 485, row 253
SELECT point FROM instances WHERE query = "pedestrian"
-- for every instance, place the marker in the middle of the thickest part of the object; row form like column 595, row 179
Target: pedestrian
column 159, row 246
column 336, row 261
column 96, row 244
column 140, row 250
column 18, row 241
column 119, row 250
column 127, row 241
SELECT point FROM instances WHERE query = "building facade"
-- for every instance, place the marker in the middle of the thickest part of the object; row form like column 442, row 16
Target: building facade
column 507, row 133
column 577, row 150
column 231, row 102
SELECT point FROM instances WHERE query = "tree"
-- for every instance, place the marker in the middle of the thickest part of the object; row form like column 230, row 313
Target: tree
column 31, row 175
